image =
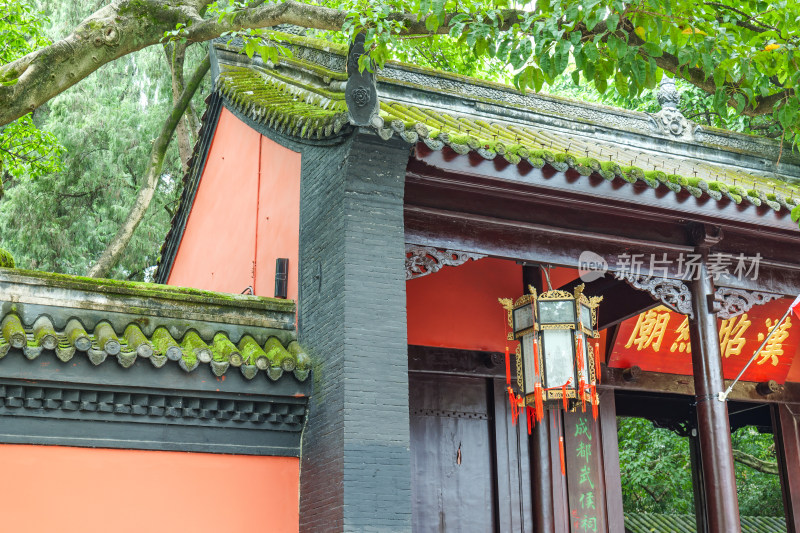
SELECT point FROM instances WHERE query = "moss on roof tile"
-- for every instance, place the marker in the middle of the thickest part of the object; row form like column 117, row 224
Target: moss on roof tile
column 132, row 344
column 6, row 259
column 152, row 290
column 298, row 107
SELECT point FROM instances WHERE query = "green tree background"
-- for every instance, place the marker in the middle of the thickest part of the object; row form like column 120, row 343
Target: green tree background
column 60, row 218
column 656, row 471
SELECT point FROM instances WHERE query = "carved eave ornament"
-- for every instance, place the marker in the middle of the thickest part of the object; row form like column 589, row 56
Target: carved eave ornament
column 361, row 92
column 734, row 302
column 424, row 260
column 671, row 292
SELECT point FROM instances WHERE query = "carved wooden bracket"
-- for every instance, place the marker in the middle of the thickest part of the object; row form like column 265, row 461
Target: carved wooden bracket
column 424, row 260
column 734, row 302
column 671, row 292
column 727, row 302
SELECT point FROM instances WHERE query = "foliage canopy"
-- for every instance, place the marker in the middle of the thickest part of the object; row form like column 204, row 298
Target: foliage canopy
column 740, row 56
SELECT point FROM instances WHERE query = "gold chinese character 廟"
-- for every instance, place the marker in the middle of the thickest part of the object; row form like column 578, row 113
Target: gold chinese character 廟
column 649, row 330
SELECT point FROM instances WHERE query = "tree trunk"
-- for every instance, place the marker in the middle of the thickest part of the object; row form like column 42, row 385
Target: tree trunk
column 114, row 250
column 176, row 57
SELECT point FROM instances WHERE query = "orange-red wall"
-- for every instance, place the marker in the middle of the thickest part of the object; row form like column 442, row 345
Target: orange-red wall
column 278, row 216
column 85, row 490
column 457, row 307
column 245, row 215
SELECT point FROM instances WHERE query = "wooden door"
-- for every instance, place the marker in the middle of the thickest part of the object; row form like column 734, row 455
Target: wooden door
column 465, row 462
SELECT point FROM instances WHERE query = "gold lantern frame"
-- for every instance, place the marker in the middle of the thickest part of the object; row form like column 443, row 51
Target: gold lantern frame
column 534, row 330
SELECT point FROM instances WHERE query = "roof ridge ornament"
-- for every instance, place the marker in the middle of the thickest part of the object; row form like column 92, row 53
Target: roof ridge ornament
column 361, row 92
column 669, row 120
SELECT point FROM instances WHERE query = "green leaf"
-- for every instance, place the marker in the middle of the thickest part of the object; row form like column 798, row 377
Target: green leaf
column 538, row 78
column 653, row 50
column 621, row 84
column 740, row 102
column 719, row 76
column 612, row 21
column 432, row 23
column 600, row 82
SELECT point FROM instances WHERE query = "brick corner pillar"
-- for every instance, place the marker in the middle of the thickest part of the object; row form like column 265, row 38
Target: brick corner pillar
column 356, row 460
column 713, row 425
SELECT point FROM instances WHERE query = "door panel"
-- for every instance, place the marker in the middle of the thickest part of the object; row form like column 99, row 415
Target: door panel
column 451, row 454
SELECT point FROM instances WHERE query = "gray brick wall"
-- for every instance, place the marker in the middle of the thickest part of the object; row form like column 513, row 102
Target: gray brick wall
column 355, row 470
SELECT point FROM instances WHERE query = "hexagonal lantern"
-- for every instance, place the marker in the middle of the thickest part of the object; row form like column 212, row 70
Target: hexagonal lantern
column 556, row 364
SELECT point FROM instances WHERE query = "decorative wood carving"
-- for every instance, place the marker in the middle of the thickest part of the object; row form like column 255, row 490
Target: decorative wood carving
column 734, row 302
column 672, row 292
column 424, row 260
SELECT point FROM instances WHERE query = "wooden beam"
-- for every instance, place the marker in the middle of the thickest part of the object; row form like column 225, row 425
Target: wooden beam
column 608, row 435
column 745, row 391
column 519, row 240
column 599, row 194
column 539, row 443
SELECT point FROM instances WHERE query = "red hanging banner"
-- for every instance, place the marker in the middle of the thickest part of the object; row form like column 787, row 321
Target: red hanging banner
column 658, row 341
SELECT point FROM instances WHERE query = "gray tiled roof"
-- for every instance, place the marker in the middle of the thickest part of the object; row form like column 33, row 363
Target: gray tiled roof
column 677, row 523
column 104, row 319
column 304, row 97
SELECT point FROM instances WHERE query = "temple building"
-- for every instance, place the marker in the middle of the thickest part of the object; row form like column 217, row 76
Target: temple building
column 369, row 240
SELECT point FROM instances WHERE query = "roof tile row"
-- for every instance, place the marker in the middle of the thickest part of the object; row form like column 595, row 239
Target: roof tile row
column 219, row 352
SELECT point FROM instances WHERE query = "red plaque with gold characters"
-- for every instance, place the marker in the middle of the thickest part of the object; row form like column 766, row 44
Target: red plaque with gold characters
column 658, row 341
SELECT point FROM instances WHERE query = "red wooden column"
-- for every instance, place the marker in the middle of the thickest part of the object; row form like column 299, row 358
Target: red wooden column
column 713, row 426
column 787, row 441
column 543, row 484
column 543, row 518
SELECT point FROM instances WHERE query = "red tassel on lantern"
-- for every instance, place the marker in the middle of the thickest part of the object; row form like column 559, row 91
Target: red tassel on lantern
column 512, row 400
column 564, row 395
column 538, row 394
column 508, row 368
column 597, row 360
column 535, row 356
column 561, row 451
column 595, row 401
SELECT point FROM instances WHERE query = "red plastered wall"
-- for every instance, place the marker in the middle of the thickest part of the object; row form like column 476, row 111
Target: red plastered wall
column 246, row 214
column 86, row 490
column 457, row 307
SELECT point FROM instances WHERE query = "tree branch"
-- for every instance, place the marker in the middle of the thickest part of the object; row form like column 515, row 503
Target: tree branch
column 699, row 79
column 125, row 26
column 755, row 463
column 114, row 250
